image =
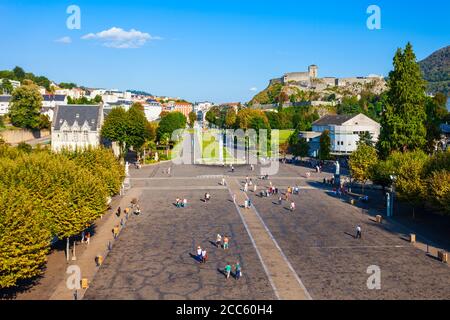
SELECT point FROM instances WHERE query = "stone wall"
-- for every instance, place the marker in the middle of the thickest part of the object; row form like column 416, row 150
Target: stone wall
column 23, row 135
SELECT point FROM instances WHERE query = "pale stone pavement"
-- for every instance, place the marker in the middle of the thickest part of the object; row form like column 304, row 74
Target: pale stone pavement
column 285, row 282
column 98, row 246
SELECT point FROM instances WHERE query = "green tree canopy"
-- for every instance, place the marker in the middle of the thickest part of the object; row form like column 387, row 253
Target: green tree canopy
column 192, row 118
column 26, row 103
column 325, row 146
column 24, row 239
column 362, row 162
column 171, row 122
column 403, row 120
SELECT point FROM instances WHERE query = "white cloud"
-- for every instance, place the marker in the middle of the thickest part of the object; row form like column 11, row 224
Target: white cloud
column 65, row 40
column 121, row 39
column 254, row 89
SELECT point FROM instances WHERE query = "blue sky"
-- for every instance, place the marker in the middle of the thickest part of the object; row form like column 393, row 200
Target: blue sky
column 213, row 50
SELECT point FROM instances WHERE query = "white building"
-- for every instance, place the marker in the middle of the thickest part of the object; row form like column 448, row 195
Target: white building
column 344, row 131
column 50, row 102
column 4, row 104
column 74, row 93
column 76, row 126
column 152, row 109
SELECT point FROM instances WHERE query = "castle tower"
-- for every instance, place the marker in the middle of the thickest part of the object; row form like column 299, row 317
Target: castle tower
column 313, row 71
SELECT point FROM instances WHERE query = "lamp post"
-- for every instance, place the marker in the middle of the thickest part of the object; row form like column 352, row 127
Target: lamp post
column 391, row 204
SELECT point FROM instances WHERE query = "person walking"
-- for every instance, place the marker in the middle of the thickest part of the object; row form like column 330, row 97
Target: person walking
column 218, row 240
column 184, row 203
column 116, row 231
column 254, row 188
column 238, row 270
column 358, row 232
column 118, row 212
column 223, row 181
column 204, row 255
column 246, row 187
column 226, row 245
column 280, row 200
column 292, row 206
column 177, row 202
column 199, row 253
column 227, row 270
column 88, row 238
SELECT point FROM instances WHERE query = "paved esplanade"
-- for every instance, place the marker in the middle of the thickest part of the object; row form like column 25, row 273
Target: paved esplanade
column 308, row 253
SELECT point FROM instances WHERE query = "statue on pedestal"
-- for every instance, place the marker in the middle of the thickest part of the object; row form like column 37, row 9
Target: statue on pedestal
column 127, row 169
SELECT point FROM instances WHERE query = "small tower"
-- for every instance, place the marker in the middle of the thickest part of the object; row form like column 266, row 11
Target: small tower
column 313, row 71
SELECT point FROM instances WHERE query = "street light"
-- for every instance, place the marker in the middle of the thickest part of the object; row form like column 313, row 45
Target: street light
column 390, row 199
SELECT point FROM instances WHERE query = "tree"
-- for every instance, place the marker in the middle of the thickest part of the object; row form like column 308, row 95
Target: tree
column 230, row 118
column 25, row 147
column 171, row 122
column 212, row 116
column 192, row 118
column 366, row 138
column 19, row 73
column 6, row 86
column 136, row 125
column 325, row 146
column 381, row 173
column 115, row 126
column 438, row 186
column 409, row 171
column 250, row 118
column 436, row 111
column 24, row 240
column 64, row 85
column 26, row 103
column 403, row 120
column 151, row 129
column 362, row 161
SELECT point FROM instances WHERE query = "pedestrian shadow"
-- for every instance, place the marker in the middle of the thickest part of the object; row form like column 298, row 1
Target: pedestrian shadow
column 351, row 235
column 195, row 257
column 222, row 271
column 213, row 244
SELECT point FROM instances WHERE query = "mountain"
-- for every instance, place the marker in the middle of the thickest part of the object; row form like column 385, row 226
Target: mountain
column 436, row 71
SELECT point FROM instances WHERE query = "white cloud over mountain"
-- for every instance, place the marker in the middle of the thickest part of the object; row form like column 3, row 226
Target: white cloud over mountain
column 121, row 39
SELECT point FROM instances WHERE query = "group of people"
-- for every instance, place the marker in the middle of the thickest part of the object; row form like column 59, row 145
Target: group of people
column 180, row 203
column 202, row 255
column 224, row 243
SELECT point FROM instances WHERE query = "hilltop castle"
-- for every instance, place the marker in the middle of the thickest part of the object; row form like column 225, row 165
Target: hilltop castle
column 310, row 80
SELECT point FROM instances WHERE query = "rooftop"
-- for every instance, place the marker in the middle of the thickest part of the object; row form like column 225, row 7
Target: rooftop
column 79, row 113
column 333, row 120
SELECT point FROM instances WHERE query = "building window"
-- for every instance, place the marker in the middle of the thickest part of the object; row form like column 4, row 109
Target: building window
column 65, row 136
column 85, row 136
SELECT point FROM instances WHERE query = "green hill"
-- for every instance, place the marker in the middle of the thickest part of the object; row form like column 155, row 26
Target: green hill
column 436, row 71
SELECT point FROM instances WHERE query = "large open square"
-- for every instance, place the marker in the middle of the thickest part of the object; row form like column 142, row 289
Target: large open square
column 308, row 253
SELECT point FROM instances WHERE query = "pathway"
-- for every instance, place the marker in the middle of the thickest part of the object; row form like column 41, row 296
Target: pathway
column 285, row 281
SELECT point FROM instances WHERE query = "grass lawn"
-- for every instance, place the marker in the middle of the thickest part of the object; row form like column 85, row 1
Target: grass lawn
column 285, row 134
